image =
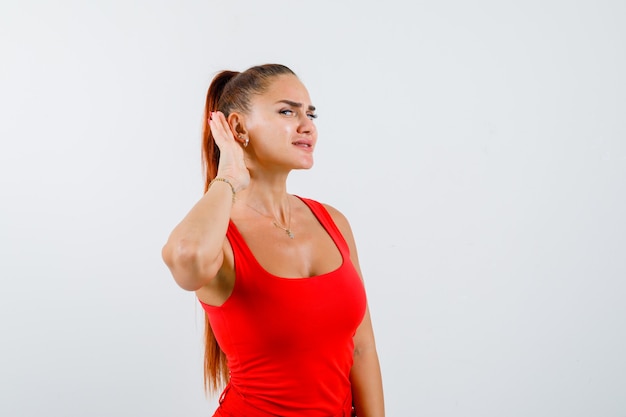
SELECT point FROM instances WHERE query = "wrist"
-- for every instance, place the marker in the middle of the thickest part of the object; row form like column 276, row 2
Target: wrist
column 236, row 180
column 224, row 180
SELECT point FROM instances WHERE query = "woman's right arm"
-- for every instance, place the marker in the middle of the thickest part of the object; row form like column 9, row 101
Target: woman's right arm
column 194, row 250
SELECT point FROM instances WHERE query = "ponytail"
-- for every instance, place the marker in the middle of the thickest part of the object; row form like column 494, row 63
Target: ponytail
column 216, row 373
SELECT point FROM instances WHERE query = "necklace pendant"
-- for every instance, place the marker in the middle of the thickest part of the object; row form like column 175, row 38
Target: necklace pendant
column 284, row 229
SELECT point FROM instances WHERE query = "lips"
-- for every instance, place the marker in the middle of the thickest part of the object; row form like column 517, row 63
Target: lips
column 303, row 143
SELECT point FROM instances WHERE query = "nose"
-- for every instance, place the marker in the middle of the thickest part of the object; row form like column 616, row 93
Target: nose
column 306, row 125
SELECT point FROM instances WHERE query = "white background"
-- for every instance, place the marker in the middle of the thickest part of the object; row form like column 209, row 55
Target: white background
column 478, row 149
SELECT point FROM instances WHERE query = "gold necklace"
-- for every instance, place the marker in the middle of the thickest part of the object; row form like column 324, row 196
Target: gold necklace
column 287, row 229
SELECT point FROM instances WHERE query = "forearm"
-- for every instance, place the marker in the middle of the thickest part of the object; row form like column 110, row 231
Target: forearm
column 367, row 387
column 193, row 251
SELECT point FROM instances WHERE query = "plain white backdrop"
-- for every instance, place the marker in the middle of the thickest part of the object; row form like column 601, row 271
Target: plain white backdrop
column 478, row 149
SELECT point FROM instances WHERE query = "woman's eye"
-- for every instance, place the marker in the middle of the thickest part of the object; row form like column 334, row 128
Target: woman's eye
column 287, row 112
column 312, row 116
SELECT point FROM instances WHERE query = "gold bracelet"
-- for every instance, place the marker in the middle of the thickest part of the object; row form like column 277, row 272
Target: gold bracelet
column 232, row 188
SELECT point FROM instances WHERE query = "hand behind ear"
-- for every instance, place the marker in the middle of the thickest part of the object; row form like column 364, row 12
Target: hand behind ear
column 232, row 164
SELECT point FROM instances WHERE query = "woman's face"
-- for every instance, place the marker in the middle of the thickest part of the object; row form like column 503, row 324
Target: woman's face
column 280, row 125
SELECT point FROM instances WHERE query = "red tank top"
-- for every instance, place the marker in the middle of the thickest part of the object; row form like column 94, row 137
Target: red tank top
column 289, row 341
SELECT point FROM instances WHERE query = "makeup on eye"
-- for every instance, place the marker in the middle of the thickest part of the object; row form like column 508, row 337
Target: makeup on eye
column 297, row 105
column 289, row 112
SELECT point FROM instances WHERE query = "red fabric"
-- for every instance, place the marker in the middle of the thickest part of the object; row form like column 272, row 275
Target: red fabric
column 233, row 404
column 289, row 340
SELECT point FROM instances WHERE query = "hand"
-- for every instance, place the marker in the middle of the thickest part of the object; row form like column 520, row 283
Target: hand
column 232, row 164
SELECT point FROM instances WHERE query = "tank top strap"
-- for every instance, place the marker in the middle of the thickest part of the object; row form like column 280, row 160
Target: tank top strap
column 327, row 222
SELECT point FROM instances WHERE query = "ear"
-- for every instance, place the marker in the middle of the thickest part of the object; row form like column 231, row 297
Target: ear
column 236, row 121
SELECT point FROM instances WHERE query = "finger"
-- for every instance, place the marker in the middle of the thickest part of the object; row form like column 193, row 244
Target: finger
column 225, row 127
column 219, row 127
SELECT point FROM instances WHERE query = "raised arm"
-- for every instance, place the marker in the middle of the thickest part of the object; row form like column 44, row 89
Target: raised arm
column 194, row 250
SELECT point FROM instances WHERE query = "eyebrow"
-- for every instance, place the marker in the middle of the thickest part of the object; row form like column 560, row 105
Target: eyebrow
column 295, row 104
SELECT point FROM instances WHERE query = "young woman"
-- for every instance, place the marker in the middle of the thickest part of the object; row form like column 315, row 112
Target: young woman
column 288, row 328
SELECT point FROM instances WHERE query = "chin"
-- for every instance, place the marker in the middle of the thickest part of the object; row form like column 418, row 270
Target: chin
column 304, row 163
column 303, row 167
column 308, row 165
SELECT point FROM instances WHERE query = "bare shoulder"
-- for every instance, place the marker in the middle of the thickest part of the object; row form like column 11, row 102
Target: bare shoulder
column 344, row 227
column 340, row 220
column 337, row 215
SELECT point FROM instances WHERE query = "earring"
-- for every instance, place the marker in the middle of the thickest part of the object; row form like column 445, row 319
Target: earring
column 245, row 142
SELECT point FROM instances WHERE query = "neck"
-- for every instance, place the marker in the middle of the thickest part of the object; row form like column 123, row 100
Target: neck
column 270, row 199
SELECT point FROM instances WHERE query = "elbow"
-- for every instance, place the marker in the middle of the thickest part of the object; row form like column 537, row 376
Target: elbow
column 188, row 265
